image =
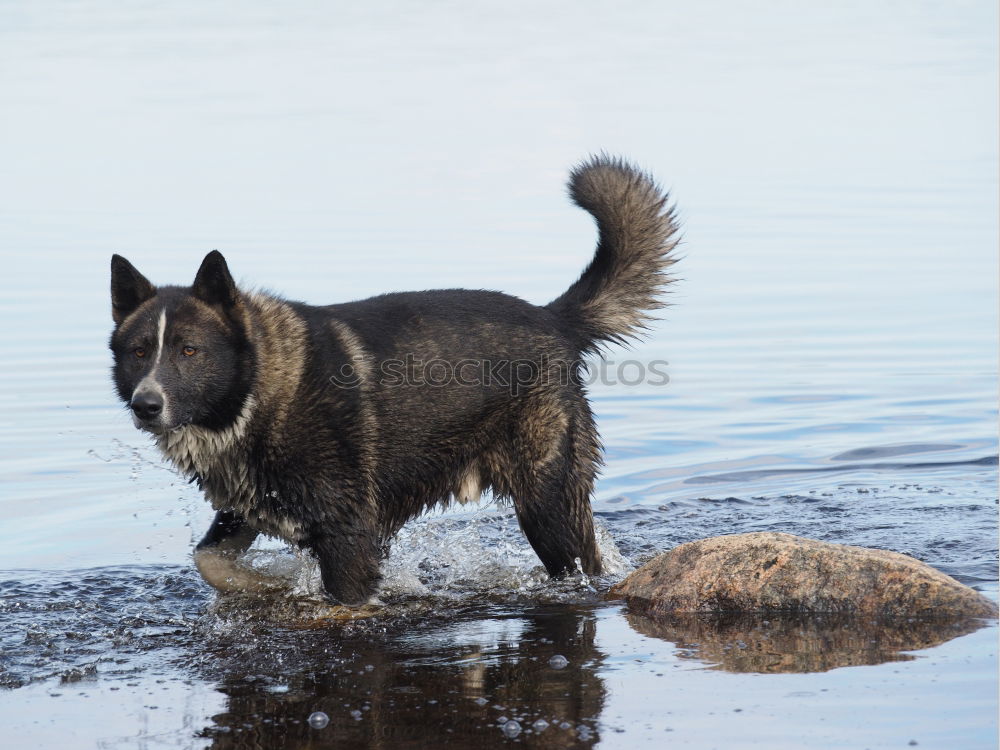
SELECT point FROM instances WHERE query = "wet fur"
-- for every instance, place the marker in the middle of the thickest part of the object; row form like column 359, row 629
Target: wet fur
column 280, row 448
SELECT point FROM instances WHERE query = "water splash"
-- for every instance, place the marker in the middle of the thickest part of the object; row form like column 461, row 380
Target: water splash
column 455, row 557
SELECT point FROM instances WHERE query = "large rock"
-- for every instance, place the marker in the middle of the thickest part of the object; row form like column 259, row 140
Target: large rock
column 772, row 572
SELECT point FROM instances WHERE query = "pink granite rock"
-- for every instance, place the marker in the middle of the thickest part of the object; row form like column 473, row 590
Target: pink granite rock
column 772, row 572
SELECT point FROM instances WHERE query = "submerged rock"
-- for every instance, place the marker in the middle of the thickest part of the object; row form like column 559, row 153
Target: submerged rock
column 773, row 572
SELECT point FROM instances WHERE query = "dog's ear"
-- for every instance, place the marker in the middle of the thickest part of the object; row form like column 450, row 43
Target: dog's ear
column 214, row 284
column 129, row 288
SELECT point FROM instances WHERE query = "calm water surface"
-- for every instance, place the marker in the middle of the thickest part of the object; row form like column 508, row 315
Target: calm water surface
column 832, row 351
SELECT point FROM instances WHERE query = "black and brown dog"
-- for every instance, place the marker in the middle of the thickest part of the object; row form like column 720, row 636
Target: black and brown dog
column 332, row 426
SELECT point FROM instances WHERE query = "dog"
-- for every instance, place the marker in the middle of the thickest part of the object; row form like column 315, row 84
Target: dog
column 332, row 426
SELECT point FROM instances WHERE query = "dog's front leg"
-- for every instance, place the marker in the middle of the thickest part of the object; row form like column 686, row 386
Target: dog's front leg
column 227, row 538
column 349, row 564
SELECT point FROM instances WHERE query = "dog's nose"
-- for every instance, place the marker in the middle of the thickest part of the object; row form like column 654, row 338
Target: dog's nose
column 147, row 404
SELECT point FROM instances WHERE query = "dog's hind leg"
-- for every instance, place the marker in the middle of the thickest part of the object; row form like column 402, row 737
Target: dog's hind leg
column 552, row 494
column 227, row 538
column 556, row 518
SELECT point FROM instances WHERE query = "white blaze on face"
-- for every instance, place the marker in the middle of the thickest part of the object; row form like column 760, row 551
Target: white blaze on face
column 150, row 383
column 160, row 332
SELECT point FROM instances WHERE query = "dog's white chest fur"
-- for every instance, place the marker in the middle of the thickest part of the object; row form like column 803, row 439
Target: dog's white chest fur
column 217, row 458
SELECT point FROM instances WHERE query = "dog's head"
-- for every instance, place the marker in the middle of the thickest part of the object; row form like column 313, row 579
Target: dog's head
column 182, row 354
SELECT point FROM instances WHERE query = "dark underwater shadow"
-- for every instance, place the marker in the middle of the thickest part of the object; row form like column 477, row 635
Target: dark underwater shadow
column 774, row 643
column 422, row 683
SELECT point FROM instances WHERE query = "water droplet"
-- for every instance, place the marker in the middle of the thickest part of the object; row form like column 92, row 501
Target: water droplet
column 511, row 728
column 318, row 720
column 540, row 725
column 356, row 715
column 481, row 701
column 558, row 661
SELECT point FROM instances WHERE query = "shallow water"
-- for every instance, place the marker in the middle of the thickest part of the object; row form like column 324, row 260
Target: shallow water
column 832, row 354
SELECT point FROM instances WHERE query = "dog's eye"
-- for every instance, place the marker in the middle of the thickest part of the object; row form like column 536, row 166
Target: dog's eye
column 140, row 352
column 188, row 351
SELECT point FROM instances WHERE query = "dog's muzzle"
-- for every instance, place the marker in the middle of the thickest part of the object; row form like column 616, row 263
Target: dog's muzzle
column 147, row 408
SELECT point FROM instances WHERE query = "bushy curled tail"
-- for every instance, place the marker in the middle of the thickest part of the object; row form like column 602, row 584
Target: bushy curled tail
column 611, row 301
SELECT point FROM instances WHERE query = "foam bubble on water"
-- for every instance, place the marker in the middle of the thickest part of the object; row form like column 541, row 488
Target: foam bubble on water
column 318, row 720
column 511, row 728
column 558, row 661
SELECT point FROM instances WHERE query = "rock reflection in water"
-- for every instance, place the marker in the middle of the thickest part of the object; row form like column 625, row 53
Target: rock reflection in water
column 770, row 643
column 456, row 682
